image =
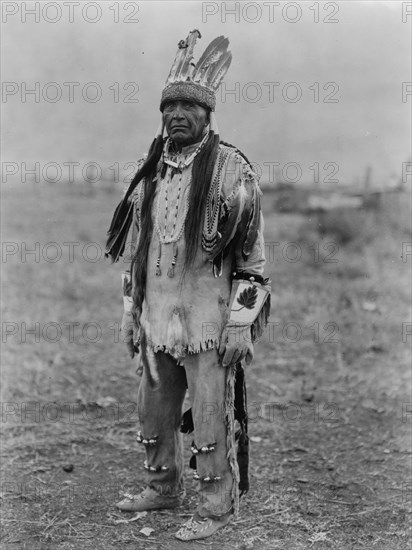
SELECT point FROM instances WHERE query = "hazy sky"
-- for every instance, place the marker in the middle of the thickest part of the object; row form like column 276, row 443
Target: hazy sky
column 311, row 82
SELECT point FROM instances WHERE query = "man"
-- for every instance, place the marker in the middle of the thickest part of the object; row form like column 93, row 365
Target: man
column 195, row 299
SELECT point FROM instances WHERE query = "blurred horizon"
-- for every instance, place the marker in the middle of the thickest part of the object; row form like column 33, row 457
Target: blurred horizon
column 360, row 62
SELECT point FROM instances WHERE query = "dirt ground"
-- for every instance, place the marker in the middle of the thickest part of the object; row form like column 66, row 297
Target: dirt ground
column 328, row 392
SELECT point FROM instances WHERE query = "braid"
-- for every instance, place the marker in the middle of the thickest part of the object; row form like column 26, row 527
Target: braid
column 237, row 151
column 139, row 261
column 201, row 179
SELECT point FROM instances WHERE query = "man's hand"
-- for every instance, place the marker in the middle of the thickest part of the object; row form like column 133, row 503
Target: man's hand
column 236, row 344
column 128, row 329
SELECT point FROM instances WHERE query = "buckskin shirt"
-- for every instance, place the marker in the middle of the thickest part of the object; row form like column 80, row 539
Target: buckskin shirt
column 187, row 314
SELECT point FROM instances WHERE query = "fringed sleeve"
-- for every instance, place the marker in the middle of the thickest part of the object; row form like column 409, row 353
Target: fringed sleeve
column 258, row 326
column 250, row 245
column 240, row 219
column 240, row 224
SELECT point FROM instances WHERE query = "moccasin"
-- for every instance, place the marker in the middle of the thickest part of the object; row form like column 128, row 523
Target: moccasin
column 201, row 528
column 149, row 499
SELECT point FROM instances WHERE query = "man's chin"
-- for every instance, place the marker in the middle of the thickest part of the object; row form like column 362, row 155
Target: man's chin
column 179, row 136
column 181, row 141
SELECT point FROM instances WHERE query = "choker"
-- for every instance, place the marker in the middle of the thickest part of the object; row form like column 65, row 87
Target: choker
column 167, row 158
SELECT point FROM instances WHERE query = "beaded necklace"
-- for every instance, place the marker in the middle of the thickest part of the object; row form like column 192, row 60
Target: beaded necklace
column 181, row 165
column 176, row 231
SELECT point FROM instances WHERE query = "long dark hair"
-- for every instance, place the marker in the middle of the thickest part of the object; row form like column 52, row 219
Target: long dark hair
column 201, row 179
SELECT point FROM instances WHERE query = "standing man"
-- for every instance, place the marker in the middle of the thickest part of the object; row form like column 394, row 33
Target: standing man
column 195, row 299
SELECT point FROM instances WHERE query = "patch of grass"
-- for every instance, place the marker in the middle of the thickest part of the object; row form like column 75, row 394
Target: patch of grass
column 345, row 225
column 360, row 227
column 329, row 456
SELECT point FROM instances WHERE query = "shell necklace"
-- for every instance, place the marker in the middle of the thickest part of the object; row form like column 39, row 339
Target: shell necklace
column 174, row 236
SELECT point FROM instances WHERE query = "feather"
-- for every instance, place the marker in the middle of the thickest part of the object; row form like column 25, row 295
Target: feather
column 218, row 42
column 227, row 227
column 182, row 67
column 119, row 229
column 218, row 73
column 210, row 57
column 176, row 64
column 202, row 77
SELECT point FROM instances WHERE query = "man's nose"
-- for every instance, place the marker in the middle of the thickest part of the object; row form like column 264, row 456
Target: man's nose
column 178, row 112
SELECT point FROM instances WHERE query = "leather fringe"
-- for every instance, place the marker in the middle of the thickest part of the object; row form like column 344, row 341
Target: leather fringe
column 243, row 439
column 259, row 324
column 179, row 351
column 230, row 438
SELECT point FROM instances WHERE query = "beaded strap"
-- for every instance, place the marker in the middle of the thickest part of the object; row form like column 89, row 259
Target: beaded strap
column 150, row 442
column 205, row 479
column 210, row 234
column 205, row 449
column 154, row 468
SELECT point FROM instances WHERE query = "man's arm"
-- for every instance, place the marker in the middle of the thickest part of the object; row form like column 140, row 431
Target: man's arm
column 255, row 262
column 252, row 295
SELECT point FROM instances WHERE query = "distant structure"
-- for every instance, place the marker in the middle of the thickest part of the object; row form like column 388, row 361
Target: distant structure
column 307, row 199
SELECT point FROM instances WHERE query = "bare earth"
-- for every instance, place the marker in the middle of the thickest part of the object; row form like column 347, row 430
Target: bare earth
column 329, row 389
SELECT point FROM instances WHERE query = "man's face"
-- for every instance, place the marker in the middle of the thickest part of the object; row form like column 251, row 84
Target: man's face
column 185, row 121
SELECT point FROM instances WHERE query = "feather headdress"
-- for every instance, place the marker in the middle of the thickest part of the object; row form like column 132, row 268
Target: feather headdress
column 197, row 82
column 186, row 81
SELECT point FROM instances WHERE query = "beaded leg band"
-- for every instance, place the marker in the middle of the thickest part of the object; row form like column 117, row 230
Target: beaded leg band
column 155, row 468
column 205, row 449
column 205, row 479
column 149, row 442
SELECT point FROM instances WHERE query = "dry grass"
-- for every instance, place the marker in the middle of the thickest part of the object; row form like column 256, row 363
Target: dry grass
column 329, row 452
